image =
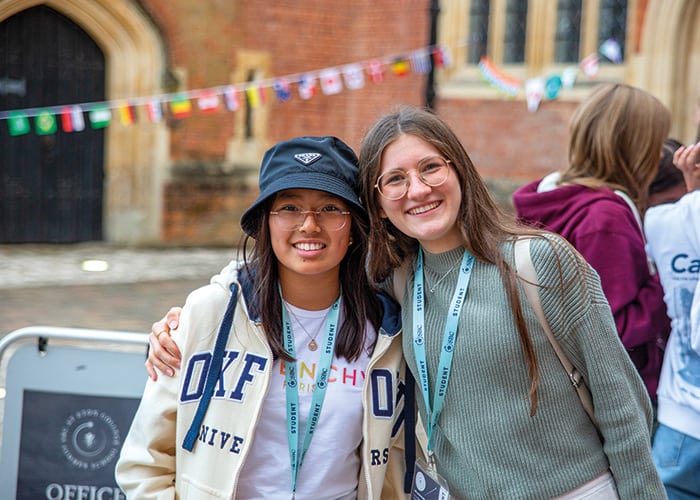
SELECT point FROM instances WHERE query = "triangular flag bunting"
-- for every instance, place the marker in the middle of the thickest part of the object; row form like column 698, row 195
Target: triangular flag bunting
column 497, row 78
column 611, row 49
column 590, row 65
column 534, row 92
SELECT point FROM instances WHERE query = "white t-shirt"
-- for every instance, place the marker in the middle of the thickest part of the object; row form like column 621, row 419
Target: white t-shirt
column 332, row 462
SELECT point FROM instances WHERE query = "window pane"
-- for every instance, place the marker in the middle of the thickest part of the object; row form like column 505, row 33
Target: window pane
column 568, row 34
column 613, row 23
column 516, row 28
column 478, row 30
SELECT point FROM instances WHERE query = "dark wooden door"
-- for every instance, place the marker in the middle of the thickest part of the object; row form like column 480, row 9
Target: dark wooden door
column 51, row 186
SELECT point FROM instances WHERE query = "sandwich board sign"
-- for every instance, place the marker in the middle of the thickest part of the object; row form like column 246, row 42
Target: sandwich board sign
column 66, row 411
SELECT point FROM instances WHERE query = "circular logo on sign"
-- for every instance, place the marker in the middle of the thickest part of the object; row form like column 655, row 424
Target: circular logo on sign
column 90, row 439
column 420, row 481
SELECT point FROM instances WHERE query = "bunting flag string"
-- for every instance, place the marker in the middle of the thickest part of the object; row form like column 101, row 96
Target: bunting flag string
column 330, row 81
column 548, row 88
column 178, row 105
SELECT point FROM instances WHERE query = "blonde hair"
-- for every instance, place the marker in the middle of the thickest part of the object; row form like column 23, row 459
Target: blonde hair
column 616, row 138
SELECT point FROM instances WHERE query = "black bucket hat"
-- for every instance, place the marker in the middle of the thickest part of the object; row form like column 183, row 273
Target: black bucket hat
column 322, row 163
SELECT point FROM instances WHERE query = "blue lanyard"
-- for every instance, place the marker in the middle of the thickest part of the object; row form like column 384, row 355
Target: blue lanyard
column 296, row 455
column 448, row 338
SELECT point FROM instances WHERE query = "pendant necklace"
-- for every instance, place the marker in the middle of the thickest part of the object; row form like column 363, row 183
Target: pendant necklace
column 432, row 288
column 312, row 345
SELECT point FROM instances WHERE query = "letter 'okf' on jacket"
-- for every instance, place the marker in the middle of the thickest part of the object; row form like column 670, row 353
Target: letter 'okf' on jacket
column 192, row 443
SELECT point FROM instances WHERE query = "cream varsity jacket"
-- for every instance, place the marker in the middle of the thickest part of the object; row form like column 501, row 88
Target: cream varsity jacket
column 187, row 441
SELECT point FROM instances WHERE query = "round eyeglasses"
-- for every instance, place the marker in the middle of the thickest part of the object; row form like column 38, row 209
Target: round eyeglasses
column 291, row 218
column 393, row 184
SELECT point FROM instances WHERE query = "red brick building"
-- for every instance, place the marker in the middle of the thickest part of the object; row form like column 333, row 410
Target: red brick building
column 185, row 182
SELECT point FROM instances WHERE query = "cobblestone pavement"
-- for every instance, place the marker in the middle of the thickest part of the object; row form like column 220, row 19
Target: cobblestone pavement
column 98, row 285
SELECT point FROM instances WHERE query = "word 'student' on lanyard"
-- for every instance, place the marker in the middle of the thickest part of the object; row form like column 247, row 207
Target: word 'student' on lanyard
column 448, row 340
column 296, row 455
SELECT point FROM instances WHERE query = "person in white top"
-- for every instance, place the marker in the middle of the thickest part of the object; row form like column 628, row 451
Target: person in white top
column 673, row 242
column 292, row 370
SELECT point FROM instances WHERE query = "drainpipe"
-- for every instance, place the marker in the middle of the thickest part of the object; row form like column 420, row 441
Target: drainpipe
column 430, row 84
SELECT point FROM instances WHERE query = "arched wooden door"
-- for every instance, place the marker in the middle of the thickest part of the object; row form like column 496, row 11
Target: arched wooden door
column 51, row 186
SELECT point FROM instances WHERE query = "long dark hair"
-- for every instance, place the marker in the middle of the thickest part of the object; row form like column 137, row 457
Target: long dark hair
column 360, row 303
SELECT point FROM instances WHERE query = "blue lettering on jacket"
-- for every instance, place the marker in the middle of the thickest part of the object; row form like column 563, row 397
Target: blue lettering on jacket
column 199, row 364
column 208, row 436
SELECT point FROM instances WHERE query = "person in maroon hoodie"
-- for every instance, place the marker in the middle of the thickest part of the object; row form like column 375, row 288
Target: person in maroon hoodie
column 597, row 203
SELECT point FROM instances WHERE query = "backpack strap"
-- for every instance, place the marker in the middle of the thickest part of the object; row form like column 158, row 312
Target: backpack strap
column 526, row 269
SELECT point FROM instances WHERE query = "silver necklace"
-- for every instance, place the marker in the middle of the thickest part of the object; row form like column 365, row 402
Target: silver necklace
column 312, row 345
column 435, row 285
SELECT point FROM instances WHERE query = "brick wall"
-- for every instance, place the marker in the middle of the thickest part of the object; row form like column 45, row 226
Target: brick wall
column 508, row 144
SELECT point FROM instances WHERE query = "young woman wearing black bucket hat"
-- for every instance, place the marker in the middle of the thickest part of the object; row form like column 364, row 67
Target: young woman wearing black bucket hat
column 292, row 373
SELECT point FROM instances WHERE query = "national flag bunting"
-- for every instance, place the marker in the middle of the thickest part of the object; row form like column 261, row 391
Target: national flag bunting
column 400, row 67
column 375, row 69
column 307, row 86
column 253, row 96
column 354, row 76
column 330, row 81
column 231, row 98
column 18, row 123
column 72, row 119
column 282, row 89
column 208, row 101
column 180, row 107
column 154, row 111
column 100, row 116
column 45, row 123
column 127, row 113
column 442, row 58
column 420, row 61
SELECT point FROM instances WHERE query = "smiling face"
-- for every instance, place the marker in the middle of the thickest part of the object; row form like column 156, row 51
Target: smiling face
column 309, row 250
column 428, row 214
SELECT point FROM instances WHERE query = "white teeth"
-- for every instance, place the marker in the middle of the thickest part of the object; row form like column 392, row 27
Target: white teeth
column 309, row 246
column 423, row 209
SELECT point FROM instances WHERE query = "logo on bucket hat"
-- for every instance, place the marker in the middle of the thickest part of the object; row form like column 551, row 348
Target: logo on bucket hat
column 307, row 158
column 321, row 163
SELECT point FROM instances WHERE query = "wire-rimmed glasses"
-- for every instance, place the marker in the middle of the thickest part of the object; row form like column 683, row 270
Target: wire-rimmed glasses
column 291, row 218
column 393, row 184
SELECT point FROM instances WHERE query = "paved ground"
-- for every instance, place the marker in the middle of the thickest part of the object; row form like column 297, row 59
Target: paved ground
column 52, row 285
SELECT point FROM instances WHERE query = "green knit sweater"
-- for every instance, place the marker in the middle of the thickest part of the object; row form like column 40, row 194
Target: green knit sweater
column 486, row 444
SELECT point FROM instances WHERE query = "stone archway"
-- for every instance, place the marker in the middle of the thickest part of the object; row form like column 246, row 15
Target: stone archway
column 135, row 156
column 669, row 62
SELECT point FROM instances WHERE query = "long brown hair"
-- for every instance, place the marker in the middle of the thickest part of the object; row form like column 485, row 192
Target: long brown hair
column 360, row 303
column 617, row 134
column 484, row 226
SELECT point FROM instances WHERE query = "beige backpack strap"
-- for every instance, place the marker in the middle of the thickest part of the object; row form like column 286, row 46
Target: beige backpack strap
column 526, row 269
